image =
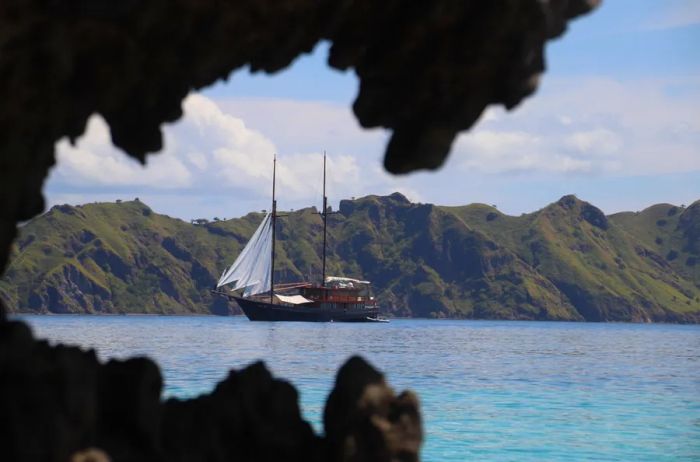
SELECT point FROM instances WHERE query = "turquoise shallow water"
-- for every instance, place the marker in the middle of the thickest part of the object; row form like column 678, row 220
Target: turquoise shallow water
column 490, row 391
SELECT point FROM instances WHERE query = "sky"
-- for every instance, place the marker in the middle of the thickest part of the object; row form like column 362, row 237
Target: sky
column 616, row 121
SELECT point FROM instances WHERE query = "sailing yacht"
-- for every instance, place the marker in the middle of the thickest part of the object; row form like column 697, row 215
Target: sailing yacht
column 250, row 282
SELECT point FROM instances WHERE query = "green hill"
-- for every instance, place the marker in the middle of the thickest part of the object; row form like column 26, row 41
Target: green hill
column 567, row 261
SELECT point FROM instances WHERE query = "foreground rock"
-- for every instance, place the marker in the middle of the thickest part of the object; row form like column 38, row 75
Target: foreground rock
column 426, row 70
column 133, row 63
column 60, row 403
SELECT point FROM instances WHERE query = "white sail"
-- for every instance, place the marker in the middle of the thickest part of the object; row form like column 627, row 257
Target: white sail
column 251, row 270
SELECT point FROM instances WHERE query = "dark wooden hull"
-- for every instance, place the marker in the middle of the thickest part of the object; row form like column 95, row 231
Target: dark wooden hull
column 257, row 310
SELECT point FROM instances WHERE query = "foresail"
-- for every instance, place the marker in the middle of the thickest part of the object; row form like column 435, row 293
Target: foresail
column 251, row 270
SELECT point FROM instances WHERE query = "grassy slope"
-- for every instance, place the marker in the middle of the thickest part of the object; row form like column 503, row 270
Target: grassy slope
column 118, row 258
column 429, row 260
column 566, row 261
column 606, row 272
column 671, row 236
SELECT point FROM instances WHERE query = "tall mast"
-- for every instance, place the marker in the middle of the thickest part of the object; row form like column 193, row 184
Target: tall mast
column 325, row 216
column 274, row 220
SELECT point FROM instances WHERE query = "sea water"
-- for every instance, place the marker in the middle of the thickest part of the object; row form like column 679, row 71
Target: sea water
column 489, row 390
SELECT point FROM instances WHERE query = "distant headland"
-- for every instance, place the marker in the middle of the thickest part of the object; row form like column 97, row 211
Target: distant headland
column 567, row 261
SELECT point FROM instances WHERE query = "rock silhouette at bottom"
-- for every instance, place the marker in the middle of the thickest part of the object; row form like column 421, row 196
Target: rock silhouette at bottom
column 59, row 403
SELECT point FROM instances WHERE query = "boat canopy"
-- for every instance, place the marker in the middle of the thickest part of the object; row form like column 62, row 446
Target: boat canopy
column 293, row 299
column 344, row 283
column 251, row 270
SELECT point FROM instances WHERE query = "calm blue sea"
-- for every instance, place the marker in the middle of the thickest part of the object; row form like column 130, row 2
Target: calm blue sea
column 490, row 391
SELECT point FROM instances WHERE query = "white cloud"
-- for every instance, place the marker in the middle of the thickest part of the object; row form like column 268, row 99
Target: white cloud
column 491, row 151
column 93, row 161
column 598, row 141
column 609, row 127
column 198, row 159
column 212, row 153
column 677, row 14
column 503, row 151
column 217, row 158
column 199, row 151
column 309, row 126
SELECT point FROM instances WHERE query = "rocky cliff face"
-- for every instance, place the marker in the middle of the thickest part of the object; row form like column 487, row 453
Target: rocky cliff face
column 567, row 261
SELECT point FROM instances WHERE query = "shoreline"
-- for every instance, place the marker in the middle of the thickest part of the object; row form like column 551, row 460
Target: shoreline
column 20, row 315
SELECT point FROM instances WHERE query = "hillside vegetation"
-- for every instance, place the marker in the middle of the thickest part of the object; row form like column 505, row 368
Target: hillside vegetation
column 567, row 261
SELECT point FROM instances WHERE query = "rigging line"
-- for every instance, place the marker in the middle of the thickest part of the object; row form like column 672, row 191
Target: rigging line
column 325, row 217
column 274, row 221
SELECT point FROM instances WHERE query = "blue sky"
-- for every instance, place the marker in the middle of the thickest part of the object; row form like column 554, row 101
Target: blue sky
column 616, row 121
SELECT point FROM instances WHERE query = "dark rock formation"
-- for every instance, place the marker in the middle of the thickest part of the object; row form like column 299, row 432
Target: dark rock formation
column 365, row 421
column 61, row 402
column 427, row 71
